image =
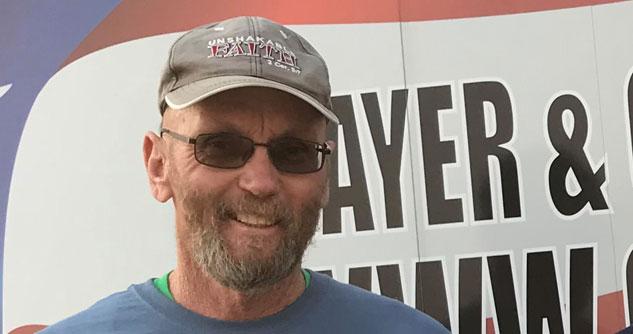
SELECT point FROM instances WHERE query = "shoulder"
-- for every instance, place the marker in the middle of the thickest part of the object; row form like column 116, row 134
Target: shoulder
column 106, row 315
column 370, row 309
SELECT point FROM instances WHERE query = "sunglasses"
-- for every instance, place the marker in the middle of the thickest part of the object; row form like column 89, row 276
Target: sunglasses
column 229, row 150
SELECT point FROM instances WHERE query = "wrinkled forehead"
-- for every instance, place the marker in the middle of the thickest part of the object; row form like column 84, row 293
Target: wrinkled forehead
column 249, row 109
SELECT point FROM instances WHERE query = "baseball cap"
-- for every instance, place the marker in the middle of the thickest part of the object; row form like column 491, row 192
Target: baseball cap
column 244, row 52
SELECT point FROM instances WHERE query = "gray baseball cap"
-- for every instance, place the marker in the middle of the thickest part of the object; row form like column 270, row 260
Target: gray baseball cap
column 244, row 52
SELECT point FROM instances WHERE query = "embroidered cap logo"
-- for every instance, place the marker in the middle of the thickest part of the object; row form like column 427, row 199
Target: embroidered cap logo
column 275, row 53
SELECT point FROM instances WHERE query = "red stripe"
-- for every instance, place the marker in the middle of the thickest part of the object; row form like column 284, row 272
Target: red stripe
column 29, row 329
column 610, row 314
column 136, row 19
column 426, row 10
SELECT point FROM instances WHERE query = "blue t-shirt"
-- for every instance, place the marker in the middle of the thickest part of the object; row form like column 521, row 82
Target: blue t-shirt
column 326, row 306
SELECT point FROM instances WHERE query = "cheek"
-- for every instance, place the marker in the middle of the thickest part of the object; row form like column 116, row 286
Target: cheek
column 199, row 180
column 306, row 190
column 208, row 178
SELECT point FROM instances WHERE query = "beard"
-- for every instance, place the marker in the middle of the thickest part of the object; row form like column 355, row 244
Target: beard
column 255, row 270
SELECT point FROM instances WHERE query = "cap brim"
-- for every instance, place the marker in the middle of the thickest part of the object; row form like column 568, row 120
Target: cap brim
column 197, row 91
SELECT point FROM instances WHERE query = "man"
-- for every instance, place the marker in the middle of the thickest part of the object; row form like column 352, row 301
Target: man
column 242, row 154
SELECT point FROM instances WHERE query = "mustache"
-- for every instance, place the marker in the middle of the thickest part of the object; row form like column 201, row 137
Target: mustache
column 222, row 210
column 270, row 209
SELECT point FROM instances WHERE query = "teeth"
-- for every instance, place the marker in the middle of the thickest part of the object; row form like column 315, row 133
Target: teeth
column 254, row 220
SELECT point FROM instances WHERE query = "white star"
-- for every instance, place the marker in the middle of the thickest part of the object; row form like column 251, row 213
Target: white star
column 4, row 89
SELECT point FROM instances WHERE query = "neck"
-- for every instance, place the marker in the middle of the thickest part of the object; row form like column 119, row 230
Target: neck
column 198, row 292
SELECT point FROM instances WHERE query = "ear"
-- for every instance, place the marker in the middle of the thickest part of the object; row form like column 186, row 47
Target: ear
column 155, row 164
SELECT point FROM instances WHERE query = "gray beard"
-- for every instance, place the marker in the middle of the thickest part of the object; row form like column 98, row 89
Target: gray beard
column 253, row 273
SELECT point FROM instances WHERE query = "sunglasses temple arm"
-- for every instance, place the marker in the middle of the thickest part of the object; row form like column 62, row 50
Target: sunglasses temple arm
column 178, row 136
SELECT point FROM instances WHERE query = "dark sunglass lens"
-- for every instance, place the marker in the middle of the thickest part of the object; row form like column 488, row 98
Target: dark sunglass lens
column 223, row 150
column 295, row 156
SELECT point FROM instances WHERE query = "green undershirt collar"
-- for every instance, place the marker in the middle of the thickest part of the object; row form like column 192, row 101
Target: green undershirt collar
column 162, row 283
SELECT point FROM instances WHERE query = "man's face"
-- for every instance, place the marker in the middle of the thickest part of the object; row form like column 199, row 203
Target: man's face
column 247, row 227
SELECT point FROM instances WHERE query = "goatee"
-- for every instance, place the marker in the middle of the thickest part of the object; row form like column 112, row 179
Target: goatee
column 252, row 272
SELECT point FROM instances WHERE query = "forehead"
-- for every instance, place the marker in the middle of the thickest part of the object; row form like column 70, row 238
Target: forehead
column 251, row 109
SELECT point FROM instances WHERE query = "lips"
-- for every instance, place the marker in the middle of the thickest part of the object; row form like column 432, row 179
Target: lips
column 252, row 220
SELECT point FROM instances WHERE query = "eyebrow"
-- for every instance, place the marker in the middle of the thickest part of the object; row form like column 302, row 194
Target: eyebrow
column 222, row 127
column 294, row 132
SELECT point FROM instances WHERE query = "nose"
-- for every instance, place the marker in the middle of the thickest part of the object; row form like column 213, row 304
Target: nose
column 259, row 176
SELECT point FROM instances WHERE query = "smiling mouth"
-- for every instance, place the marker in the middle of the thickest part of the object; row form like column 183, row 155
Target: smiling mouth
column 255, row 221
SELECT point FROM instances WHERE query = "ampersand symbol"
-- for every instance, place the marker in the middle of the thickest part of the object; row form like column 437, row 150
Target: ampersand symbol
column 571, row 155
